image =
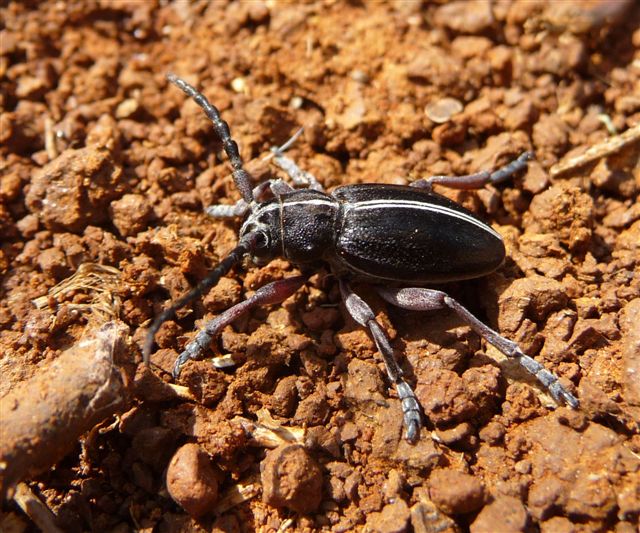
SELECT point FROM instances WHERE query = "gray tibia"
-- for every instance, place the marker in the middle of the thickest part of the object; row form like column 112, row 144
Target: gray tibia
column 420, row 299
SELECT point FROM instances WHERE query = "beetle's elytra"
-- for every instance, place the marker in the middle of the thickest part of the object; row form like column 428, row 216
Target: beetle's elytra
column 391, row 236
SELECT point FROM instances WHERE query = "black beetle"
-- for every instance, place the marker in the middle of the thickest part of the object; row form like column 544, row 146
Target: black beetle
column 388, row 235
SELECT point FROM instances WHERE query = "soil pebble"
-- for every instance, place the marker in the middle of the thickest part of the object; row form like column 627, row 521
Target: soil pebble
column 393, row 518
column 505, row 514
column 130, row 214
column 291, row 478
column 75, row 189
column 455, row 492
column 192, row 480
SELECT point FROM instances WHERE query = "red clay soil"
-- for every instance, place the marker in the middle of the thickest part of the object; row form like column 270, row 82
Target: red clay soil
column 105, row 169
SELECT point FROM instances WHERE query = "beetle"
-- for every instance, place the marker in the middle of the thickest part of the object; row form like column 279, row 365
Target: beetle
column 398, row 238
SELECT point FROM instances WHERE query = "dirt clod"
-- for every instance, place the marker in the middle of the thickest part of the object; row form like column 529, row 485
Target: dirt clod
column 455, row 492
column 130, row 214
column 506, row 514
column 192, row 481
column 75, row 189
column 292, row 479
column 392, row 519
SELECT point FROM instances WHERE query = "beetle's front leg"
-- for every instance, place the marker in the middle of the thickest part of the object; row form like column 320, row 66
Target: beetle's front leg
column 479, row 179
column 364, row 316
column 276, row 187
column 418, row 299
column 272, row 293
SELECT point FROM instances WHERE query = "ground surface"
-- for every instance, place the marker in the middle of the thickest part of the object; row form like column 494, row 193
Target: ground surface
column 102, row 162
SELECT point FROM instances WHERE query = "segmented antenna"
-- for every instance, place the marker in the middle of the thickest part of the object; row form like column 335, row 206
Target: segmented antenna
column 241, row 177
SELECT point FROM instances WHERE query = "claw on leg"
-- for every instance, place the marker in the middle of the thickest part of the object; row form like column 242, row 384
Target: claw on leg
column 479, row 179
column 363, row 315
column 419, row 299
column 271, row 293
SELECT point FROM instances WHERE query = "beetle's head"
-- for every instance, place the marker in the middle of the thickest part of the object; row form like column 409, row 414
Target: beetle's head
column 264, row 220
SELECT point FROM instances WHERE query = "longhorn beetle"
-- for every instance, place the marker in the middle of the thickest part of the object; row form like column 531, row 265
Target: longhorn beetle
column 388, row 235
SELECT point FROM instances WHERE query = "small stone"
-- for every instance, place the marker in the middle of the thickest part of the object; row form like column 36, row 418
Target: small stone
column 550, row 133
column 393, row 486
column 427, row 518
column 591, row 496
column 127, row 108
column 534, row 297
column 351, row 484
column 291, row 479
column 455, row 492
column 493, row 432
column 393, row 518
column 130, row 214
column 226, row 293
column 443, row 396
column 505, row 514
column 75, row 189
column 455, row 434
column 53, row 262
column 28, row 226
column 471, row 17
column 258, row 12
column 239, row 85
column 364, row 383
column 565, row 211
column 284, row 397
column 313, row 410
column 557, row 524
column 192, row 481
column 442, row 110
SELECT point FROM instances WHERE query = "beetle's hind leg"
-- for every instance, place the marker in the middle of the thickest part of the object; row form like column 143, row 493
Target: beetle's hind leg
column 271, row 293
column 364, row 316
column 479, row 179
column 418, row 299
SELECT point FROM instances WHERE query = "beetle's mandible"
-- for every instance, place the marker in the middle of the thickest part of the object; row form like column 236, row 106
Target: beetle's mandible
column 398, row 238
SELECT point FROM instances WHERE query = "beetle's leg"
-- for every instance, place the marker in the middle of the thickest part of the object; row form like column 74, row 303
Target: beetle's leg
column 419, row 299
column 479, row 179
column 297, row 175
column 364, row 316
column 239, row 209
column 276, row 187
column 271, row 293
column 246, row 245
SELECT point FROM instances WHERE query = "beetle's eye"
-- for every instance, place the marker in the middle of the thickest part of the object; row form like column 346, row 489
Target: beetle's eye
column 262, row 241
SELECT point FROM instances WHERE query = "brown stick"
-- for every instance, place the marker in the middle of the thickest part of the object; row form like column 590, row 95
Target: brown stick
column 603, row 149
column 35, row 509
column 42, row 419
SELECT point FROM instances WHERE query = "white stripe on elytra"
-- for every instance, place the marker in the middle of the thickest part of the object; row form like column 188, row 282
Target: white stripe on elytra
column 434, row 208
column 253, row 217
column 374, row 204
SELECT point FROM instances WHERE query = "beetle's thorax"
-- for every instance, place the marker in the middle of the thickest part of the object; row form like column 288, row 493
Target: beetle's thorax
column 299, row 226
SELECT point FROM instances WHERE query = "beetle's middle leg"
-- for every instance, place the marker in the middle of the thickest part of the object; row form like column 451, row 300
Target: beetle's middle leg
column 297, row 175
column 272, row 293
column 364, row 316
column 419, row 299
column 479, row 179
